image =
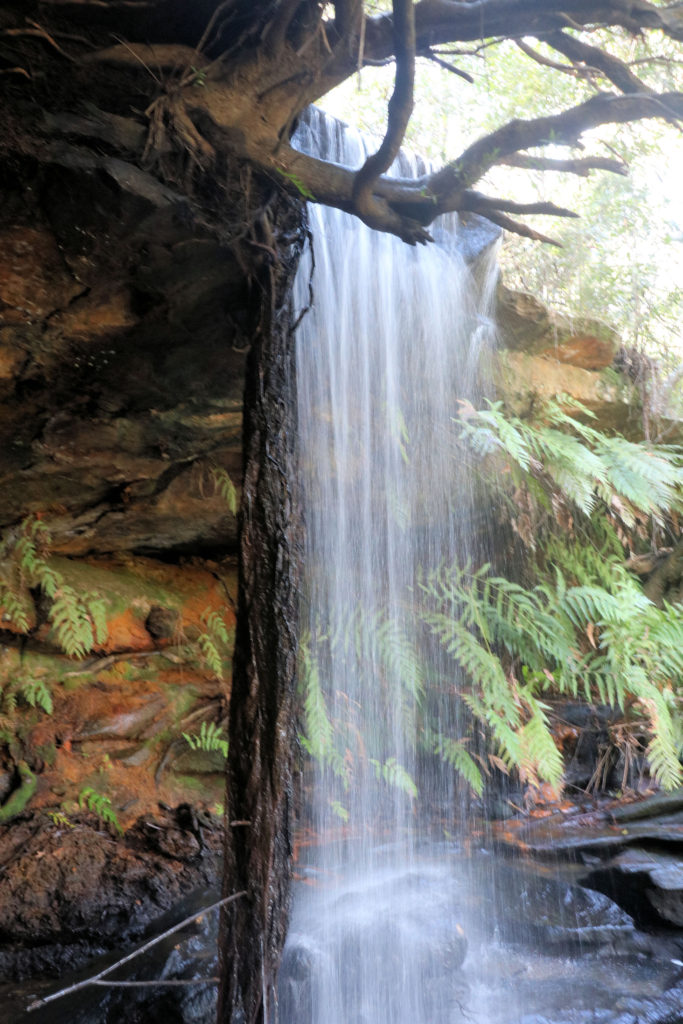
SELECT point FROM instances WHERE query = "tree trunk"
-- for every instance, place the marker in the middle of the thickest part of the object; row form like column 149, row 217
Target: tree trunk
column 262, row 728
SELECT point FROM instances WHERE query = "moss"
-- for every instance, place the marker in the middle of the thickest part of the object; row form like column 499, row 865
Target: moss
column 20, row 798
column 47, row 752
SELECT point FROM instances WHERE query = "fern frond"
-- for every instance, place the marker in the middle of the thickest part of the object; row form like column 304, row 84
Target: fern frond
column 399, row 656
column 211, row 655
column 225, row 487
column 37, row 693
column 455, row 753
column 394, row 774
column 100, row 805
column 209, row 738
column 71, row 622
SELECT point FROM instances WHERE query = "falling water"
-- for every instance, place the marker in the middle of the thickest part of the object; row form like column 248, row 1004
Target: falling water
column 386, row 355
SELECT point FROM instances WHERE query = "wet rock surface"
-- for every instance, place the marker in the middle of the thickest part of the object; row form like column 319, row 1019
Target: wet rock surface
column 71, row 889
column 450, row 914
column 632, row 852
column 545, row 910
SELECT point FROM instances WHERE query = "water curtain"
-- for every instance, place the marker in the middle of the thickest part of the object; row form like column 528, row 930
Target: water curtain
column 387, row 354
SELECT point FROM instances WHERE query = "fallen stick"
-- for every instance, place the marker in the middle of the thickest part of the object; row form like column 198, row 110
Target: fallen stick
column 98, row 979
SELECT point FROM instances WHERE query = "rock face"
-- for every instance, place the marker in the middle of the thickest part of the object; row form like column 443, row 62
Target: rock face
column 630, row 852
column 121, row 360
column 543, row 355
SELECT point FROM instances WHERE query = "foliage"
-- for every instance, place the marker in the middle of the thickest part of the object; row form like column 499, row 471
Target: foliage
column 34, row 692
column 209, row 738
column 565, row 458
column 621, row 261
column 394, row 774
column 100, row 805
column 377, row 646
column 580, row 624
column 60, row 819
column 225, row 487
column 584, row 627
column 215, row 643
column 78, row 620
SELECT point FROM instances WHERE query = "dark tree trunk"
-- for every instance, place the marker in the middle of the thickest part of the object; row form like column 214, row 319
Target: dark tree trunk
column 262, row 730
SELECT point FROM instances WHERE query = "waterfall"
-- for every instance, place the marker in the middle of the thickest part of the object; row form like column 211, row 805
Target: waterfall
column 391, row 344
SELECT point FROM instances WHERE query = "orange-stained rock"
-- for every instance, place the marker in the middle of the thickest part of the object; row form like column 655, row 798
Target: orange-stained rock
column 97, row 314
column 525, row 381
column 34, row 280
column 131, row 587
column 588, row 351
column 125, row 632
column 526, row 325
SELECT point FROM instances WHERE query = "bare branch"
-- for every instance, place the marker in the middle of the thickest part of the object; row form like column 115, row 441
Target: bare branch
column 39, row 32
column 557, row 129
column 404, row 208
column 565, row 69
column 98, row 979
column 206, row 34
column 400, row 109
column 430, row 55
column 445, row 21
column 593, row 58
column 582, row 166
column 524, row 230
column 274, row 35
column 476, row 202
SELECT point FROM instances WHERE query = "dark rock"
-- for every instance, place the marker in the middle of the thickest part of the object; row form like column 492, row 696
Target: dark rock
column 647, row 882
column 162, row 623
column 565, row 836
column 67, row 892
column 545, row 909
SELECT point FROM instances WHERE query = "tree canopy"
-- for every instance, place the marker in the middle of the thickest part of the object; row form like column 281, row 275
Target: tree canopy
column 226, row 81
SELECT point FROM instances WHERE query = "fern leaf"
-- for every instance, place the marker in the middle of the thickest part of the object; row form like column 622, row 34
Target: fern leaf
column 454, row 753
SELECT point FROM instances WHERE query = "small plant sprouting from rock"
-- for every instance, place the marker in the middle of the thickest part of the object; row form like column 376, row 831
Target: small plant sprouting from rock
column 89, row 799
column 209, row 738
column 225, row 487
column 60, row 819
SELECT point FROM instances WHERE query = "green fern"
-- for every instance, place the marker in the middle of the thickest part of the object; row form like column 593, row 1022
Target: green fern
column 580, row 462
column 209, row 738
column 99, row 804
column 319, row 735
column 455, row 753
column 78, row 620
column 37, row 693
column 225, row 487
column 215, row 643
column 394, row 774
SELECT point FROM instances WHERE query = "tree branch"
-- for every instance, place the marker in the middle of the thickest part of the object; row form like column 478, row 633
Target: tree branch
column 98, row 979
column 405, row 207
column 592, row 57
column 515, row 228
column 565, row 69
column 557, row 129
column 476, row 202
column 582, row 166
column 400, row 109
column 430, row 55
column 444, row 21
